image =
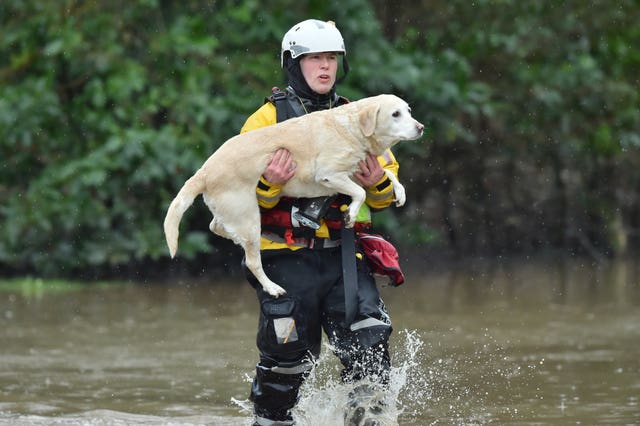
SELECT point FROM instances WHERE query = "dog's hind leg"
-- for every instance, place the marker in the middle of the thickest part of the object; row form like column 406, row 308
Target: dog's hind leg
column 254, row 264
column 249, row 238
column 237, row 218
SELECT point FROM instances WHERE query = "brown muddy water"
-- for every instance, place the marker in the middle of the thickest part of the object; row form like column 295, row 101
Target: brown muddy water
column 521, row 343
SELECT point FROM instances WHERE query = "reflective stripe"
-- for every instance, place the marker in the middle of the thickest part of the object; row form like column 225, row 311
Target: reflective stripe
column 378, row 196
column 268, row 200
column 298, row 369
column 263, row 421
column 366, row 323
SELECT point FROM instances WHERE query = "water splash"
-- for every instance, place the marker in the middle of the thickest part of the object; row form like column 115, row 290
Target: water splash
column 324, row 398
column 428, row 385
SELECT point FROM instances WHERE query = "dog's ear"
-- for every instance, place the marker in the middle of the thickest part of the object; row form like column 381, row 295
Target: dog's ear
column 367, row 119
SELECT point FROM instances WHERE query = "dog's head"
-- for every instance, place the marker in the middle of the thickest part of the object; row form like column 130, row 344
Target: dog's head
column 387, row 118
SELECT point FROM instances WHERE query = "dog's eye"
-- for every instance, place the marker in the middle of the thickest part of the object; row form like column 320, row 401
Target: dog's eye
column 396, row 114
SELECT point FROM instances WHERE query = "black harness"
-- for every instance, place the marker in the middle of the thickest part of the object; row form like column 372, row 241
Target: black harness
column 289, row 105
column 285, row 108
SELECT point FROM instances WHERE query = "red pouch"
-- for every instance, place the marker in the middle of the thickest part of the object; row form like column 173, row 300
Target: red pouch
column 382, row 257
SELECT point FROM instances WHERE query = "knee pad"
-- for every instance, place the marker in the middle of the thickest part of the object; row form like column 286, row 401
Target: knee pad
column 364, row 351
column 284, row 333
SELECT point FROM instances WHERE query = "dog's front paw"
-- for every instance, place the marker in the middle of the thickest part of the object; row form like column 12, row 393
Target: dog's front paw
column 349, row 219
column 349, row 214
column 400, row 194
column 275, row 290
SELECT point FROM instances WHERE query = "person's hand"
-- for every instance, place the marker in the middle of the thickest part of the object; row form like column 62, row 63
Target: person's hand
column 281, row 167
column 370, row 171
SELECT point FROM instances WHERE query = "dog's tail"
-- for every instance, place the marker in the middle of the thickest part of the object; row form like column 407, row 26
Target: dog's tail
column 193, row 187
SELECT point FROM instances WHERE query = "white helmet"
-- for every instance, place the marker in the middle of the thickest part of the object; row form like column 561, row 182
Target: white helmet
column 312, row 36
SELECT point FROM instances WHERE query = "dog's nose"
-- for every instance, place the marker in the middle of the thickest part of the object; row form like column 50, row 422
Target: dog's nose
column 420, row 127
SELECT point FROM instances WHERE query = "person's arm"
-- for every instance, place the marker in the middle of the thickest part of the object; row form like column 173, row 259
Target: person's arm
column 280, row 169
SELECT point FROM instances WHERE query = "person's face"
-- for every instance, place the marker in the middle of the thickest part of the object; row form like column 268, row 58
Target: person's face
column 319, row 70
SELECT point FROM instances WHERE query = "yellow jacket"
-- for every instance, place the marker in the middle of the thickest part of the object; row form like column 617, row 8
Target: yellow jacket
column 379, row 196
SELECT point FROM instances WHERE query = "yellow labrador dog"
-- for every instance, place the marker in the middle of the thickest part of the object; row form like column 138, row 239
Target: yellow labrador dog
column 326, row 146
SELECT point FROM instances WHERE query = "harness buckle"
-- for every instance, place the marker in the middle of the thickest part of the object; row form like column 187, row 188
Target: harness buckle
column 277, row 93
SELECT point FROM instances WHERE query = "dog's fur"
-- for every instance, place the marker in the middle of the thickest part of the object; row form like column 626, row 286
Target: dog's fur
column 326, row 147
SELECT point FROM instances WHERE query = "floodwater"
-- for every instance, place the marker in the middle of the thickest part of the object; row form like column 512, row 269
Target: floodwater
column 503, row 342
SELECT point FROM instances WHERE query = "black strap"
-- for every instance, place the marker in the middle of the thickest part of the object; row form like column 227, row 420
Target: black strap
column 349, row 275
column 280, row 101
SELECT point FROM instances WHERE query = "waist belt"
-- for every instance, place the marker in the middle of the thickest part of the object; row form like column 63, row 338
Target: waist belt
column 312, row 243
